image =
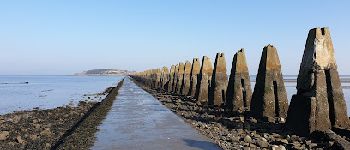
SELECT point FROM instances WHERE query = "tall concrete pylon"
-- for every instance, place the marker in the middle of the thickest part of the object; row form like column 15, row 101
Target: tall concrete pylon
column 218, row 82
column 164, row 78
column 195, row 70
column 180, row 77
column 269, row 100
column 239, row 92
column 202, row 93
column 319, row 103
column 176, row 70
column 171, row 78
column 186, row 79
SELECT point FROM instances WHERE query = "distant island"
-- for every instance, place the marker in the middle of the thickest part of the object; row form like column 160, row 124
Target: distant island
column 104, row 72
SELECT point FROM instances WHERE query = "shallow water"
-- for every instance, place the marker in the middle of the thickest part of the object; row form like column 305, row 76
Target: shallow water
column 27, row 92
column 291, row 83
column 139, row 121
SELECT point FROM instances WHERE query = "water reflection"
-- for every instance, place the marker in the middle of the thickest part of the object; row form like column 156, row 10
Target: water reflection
column 138, row 121
column 27, row 92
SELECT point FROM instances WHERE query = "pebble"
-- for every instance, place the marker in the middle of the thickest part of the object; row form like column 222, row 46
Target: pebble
column 247, row 139
column 4, row 135
column 19, row 140
column 262, row 143
column 46, row 132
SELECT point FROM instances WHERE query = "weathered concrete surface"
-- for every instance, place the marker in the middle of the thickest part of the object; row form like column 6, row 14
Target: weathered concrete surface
column 319, row 104
column 202, row 93
column 269, row 99
column 239, row 92
column 175, row 78
column 195, row 70
column 138, row 121
column 164, row 78
column 186, row 79
column 171, row 78
column 218, row 82
column 180, row 77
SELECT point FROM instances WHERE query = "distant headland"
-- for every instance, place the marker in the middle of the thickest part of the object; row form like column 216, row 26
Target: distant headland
column 104, row 72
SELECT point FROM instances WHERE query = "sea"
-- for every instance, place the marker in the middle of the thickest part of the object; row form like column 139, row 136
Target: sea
column 27, row 92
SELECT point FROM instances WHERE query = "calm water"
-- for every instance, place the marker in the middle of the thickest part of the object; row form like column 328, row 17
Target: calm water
column 53, row 91
column 291, row 83
column 50, row 91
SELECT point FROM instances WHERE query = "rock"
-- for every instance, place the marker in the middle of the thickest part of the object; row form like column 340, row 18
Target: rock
column 46, row 132
column 308, row 142
column 4, row 135
column 241, row 119
column 19, row 140
column 33, row 137
column 262, row 143
column 247, row 139
column 312, row 145
column 319, row 103
column 285, row 141
column 253, row 120
column 218, row 82
column 47, row 145
column 269, row 99
column 329, row 135
column 281, row 120
column 296, row 145
column 15, row 119
column 275, row 147
column 239, row 91
column 281, row 147
column 37, row 126
column 235, row 138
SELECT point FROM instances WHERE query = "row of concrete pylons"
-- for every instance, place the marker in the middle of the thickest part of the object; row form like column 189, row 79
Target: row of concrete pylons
column 319, row 103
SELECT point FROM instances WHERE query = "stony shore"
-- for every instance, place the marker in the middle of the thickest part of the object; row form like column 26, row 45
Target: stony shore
column 243, row 132
column 68, row 127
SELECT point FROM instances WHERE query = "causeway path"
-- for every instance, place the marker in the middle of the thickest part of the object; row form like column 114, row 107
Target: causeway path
column 138, row 121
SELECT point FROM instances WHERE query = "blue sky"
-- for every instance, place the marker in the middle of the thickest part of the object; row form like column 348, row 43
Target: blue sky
column 64, row 37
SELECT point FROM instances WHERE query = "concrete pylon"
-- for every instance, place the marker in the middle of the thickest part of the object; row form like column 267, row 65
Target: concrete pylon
column 186, row 79
column 239, row 92
column 319, row 103
column 180, row 77
column 164, row 78
column 269, row 99
column 202, row 93
column 195, row 69
column 171, row 78
column 218, row 82
column 156, row 73
column 176, row 70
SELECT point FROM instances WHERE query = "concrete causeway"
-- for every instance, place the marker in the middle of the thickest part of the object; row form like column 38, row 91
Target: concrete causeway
column 139, row 121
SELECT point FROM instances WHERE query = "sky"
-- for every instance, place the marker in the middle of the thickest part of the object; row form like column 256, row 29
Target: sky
column 62, row 37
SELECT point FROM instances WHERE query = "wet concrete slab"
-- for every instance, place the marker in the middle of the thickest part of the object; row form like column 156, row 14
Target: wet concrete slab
column 139, row 121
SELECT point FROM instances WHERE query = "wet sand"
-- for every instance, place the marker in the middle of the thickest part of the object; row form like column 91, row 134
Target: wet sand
column 139, row 121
